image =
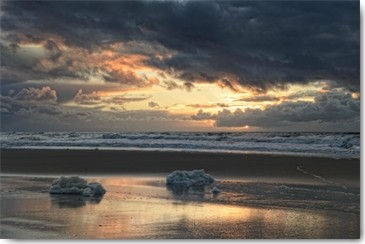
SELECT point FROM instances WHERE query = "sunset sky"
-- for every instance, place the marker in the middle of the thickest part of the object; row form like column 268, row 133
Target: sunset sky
column 180, row 66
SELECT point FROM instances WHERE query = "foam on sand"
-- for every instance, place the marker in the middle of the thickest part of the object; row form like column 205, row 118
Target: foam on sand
column 189, row 178
column 76, row 185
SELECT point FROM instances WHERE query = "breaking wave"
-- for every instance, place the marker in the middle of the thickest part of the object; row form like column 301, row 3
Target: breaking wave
column 338, row 145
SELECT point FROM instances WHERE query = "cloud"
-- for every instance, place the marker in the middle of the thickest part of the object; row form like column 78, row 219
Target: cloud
column 124, row 99
column 29, row 98
column 37, row 109
column 225, row 83
column 40, row 113
column 4, row 110
column 14, row 67
column 259, row 98
column 44, row 94
column 171, row 85
column 177, row 45
column 51, row 110
column 30, row 109
column 14, row 47
column 40, row 100
column 188, row 86
column 97, row 98
column 201, row 115
column 222, row 105
column 34, row 109
column 87, row 99
column 331, row 107
column 55, row 60
column 153, row 104
column 256, row 44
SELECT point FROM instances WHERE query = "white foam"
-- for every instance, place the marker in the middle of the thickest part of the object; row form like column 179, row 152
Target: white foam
column 337, row 145
column 300, row 168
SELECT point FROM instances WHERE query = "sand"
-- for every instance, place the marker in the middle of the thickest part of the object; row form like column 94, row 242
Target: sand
column 263, row 196
column 88, row 162
column 141, row 207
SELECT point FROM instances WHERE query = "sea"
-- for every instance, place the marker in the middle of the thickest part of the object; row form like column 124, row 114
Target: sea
column 334, row 145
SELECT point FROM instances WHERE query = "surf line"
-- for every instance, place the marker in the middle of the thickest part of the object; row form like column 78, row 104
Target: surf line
column 300, row 168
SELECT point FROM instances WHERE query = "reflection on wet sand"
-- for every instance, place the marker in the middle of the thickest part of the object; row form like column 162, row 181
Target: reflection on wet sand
column 73, row 201
column 134, row 209
column 180, row 191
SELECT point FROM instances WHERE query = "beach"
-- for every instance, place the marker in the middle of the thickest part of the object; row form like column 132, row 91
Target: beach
column 262, row 196
column 180, row 119
column 89, row 162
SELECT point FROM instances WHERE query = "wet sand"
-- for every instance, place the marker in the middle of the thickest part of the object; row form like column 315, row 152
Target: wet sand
column 263, row 196
column 137, row 207
column 106, row 162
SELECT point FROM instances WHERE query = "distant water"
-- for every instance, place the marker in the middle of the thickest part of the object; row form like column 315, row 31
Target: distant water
column 338, row 145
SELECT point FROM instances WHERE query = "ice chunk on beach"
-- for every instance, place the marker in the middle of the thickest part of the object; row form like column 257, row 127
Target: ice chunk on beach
column 97, row 189
column 76, row 185
column 215, row 190
column 189, row 178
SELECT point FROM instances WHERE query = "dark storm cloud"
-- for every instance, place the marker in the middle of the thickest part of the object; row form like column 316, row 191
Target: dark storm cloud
column 13, row 68
column 17, row 67
column 257, row 44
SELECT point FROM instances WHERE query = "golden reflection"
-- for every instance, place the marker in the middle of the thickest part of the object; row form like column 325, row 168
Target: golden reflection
column 138, row 207
column 129, row 210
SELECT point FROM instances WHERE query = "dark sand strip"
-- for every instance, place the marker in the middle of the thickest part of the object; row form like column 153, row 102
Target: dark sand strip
column 38, row 161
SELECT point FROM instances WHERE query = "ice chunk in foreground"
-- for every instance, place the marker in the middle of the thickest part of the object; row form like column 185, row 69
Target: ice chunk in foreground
column 76, row 185
column 215, row 190
column 189, row 178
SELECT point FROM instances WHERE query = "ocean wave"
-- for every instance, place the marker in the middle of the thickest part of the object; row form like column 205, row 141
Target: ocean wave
column 339, row 145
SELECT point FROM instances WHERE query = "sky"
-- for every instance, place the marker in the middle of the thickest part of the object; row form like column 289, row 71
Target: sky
column 180, row 65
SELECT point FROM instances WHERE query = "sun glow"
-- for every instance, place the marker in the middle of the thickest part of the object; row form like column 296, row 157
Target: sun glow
column 206, row 96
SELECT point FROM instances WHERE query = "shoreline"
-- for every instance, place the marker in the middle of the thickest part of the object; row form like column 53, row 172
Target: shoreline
column 114, row 162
